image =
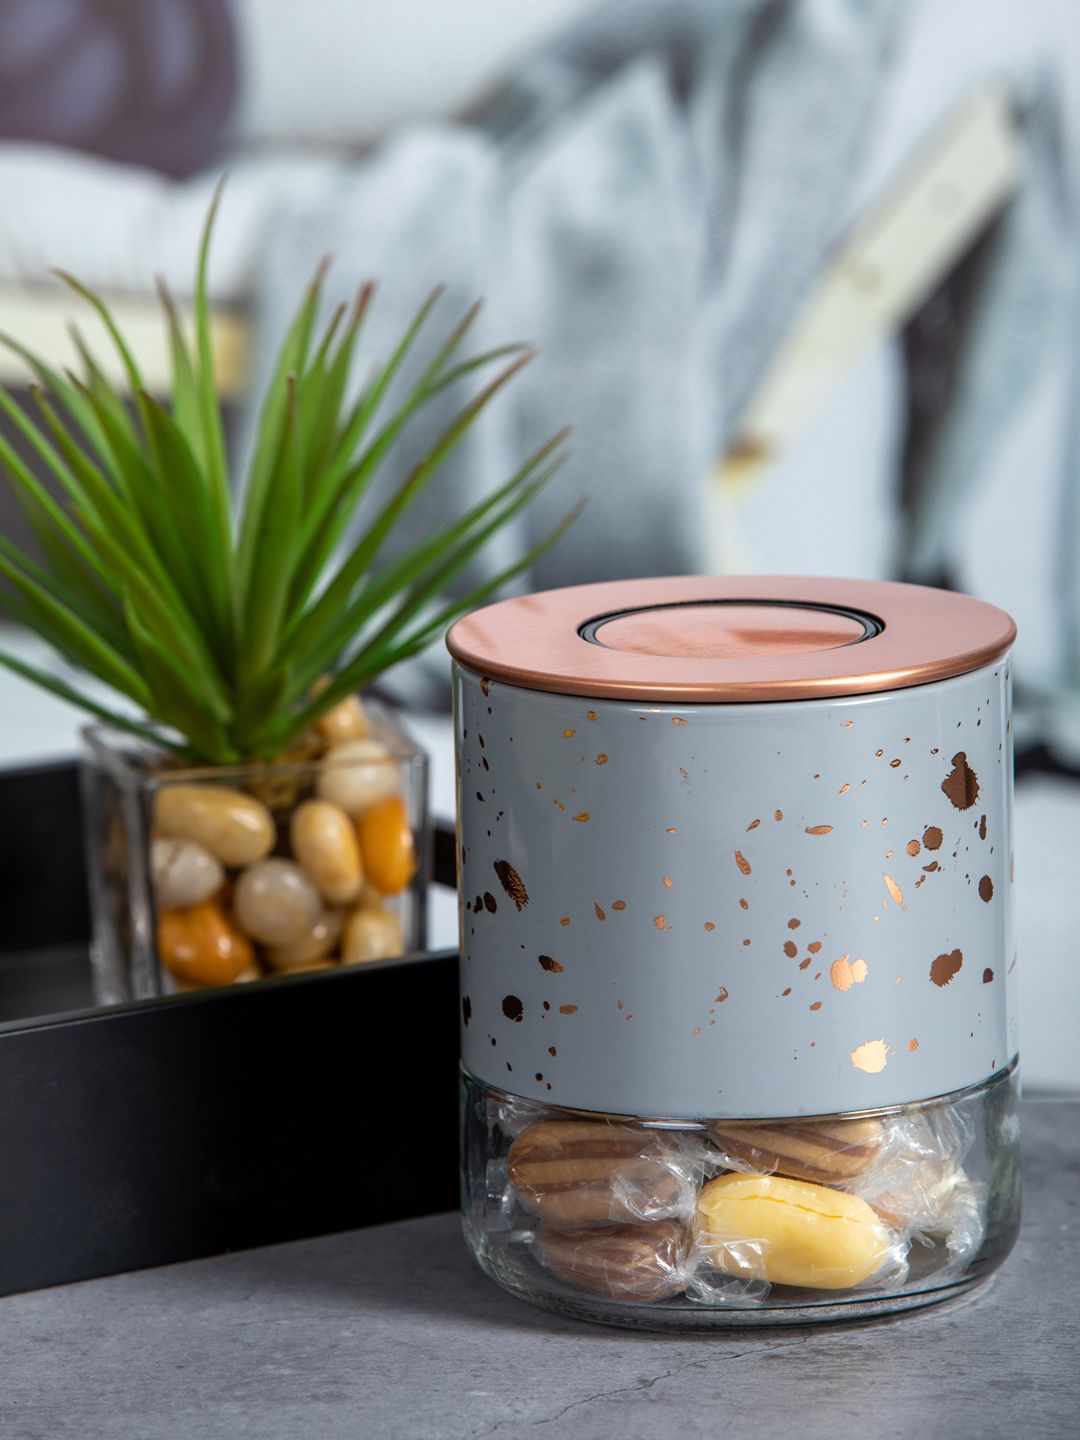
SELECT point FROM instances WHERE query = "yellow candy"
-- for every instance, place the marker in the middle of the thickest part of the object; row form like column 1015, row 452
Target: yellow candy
column 806, row 1235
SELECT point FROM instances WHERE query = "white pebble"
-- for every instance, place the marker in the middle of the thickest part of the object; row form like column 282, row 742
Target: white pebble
column 275, row 902
column 357, row 773
column 184, row 873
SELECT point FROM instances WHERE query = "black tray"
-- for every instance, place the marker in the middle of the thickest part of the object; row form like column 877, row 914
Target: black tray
column 168, row 1129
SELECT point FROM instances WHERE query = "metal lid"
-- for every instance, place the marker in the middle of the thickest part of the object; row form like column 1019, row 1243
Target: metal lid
column 731, row 638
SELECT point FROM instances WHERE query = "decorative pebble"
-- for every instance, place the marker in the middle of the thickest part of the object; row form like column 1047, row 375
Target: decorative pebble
column 276, row 903
column 184, row 873
column 236, row 828
column 372, row 932
column 345, row 721
column 316, row 945
column 356, row 774
column 201, row 945
column 246, row 976
column 386, row 845
column 325, row 844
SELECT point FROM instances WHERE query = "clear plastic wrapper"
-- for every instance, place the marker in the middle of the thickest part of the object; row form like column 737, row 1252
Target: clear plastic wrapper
column 714, row 1217
column 628, row 1262
column 583, row 1173
column 918, row 1183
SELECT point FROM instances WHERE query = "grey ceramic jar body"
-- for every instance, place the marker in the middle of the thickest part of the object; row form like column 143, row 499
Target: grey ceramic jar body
column 778, row 915
column 742, row 910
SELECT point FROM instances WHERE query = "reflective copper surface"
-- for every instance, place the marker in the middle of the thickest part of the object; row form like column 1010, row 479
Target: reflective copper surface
column 727, row 632
column 681, row 639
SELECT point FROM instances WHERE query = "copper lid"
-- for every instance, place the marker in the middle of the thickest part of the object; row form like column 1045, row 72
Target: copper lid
column 731, row 638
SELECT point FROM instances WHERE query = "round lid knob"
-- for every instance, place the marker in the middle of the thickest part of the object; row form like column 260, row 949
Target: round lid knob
column 730, row 630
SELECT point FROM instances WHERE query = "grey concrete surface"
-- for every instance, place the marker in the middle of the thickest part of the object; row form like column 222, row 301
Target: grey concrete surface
column 391, row 1333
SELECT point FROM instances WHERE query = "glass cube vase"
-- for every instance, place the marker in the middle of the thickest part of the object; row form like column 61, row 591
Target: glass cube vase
column 218, row 875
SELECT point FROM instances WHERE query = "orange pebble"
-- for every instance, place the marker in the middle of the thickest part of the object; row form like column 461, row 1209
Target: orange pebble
column 202, row 946
column 386, row 844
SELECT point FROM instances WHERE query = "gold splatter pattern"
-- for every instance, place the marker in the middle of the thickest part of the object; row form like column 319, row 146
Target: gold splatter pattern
column 814, row 946
column 600, row 915
column 844, row 789
column 847, row 724
column 982, row 828
column 590, row 714
column 871, row 1056
column 722, row 996
column 565, row 920
column 986, row 889
column 753, row 825
column 913, row 1045
column 710, row 926
column 819, row 829
column 569, row 734
column 961, row 786
column 568, row 1009
column 618, row 904
column 945, row 967
column 744, row 904
column 742, row 862
column 551, row 965
column 677, row 720
column 893, row 889
column 582, row 816
column 601, row 759
column 512, row 883
column 816, row 1005
column 913, row 847
column 932, row 838
column 778, row 814
column 988, row 976
column 790, row 949
column 668, row 882
column 843, row 973
column 671, row 830
column 660, row 921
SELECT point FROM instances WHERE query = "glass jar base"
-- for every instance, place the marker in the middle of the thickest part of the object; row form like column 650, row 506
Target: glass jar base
column 694, row 1226
column 690, row 1318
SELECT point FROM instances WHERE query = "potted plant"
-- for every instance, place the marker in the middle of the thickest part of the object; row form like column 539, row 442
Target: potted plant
column 246, row 814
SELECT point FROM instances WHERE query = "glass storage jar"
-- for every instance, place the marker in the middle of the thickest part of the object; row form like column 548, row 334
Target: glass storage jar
column 738, row 1040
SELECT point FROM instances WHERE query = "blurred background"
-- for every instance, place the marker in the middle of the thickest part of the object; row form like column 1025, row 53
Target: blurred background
column 805, row 276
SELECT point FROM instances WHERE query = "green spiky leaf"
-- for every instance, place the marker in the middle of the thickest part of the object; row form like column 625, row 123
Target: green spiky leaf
column 216, row 615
